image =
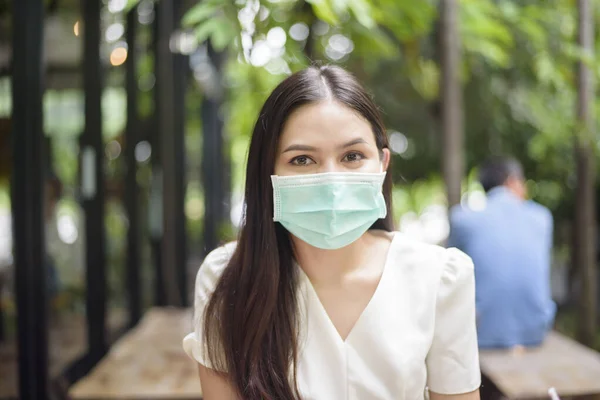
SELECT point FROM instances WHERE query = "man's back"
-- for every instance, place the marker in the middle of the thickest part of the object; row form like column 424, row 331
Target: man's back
column 510, row 243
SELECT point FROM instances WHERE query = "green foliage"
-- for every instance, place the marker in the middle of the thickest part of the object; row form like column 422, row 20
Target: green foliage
column 201, row 12
column 130, row 4
column 406, row 20
column 484, row 32
column 215, row 20
column 325, row 11
column 248, row 88
column 518, row 74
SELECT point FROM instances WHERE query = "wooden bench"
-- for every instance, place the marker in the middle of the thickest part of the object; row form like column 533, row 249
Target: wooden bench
column 572, row 369
column 148, row 362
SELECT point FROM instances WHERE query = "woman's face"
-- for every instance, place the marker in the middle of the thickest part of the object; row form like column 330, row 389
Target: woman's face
column 328, row 137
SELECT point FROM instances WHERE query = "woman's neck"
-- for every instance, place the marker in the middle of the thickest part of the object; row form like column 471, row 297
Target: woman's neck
column 332, row 266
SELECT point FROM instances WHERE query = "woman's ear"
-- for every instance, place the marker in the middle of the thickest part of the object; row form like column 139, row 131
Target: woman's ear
column 385, row 159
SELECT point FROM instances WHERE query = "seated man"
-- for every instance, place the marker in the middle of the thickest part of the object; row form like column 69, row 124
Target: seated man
column 510, row 242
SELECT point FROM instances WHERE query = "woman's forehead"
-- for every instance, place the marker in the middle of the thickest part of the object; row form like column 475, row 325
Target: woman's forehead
column 326, row 121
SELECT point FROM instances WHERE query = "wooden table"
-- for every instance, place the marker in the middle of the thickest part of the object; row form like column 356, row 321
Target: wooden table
column 147, row 363
column 562, row 363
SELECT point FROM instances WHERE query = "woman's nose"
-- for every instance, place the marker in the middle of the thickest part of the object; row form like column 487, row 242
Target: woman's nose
column 330, row 166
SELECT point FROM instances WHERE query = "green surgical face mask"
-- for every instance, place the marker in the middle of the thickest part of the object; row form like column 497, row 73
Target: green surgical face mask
column 329, row 210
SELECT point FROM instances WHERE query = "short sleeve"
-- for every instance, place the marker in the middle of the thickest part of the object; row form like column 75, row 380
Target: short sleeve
column 453, row 359
column 206, row 281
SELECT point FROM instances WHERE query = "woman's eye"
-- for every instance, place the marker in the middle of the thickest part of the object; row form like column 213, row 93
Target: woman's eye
column 301, row 160
column 353, row 157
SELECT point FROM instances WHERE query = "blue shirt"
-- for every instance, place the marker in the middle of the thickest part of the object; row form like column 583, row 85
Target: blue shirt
column 510, row 242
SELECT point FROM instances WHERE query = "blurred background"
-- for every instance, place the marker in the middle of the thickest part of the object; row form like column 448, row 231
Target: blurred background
column 124, row 128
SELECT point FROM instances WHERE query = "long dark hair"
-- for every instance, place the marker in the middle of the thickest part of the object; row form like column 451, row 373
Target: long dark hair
column 250, row 322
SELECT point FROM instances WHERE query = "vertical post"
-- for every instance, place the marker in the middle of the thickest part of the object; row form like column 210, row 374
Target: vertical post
column 2, row 328
column 155, row 209
column 92, row 182
column 166, row 126
column 452, row 102
column 27, row 192
column 585, row 212
column 309, row 48
column 131, row 186
column 180, row 69
column 213, row 161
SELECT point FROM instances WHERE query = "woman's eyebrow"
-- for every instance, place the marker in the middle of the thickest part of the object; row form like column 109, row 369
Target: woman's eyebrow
column 303, row 147
column 353, row 142
column 299, row 147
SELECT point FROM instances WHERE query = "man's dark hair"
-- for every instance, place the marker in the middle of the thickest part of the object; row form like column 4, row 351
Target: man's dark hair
column 495, row 171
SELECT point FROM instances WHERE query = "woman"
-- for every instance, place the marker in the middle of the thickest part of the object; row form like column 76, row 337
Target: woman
column 319, row 299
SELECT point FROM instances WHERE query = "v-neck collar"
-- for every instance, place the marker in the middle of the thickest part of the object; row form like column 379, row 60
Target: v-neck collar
column 314, row 299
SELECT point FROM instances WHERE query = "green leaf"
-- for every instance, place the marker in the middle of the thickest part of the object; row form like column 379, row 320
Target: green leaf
column 339, row 6
column 373, row 43
column 223, row 35
column 199, row 13
column 407, row 20
column 484, row 28
column 362, row 12
column 577, row 53
column 490, row 51
column 535, row 32
column 206, row 29
column 544, row 67
column 426, row 78
column 509, row 10
column 219, row 30
column 324, row 11
column 130, row 4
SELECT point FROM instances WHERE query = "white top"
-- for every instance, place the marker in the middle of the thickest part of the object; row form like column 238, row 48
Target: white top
column 417, row 331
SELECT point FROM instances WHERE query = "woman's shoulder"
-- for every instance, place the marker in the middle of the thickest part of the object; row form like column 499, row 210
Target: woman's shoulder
column 429, row 257
column 445, row 274
column 219, row 257
column 212, row 268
